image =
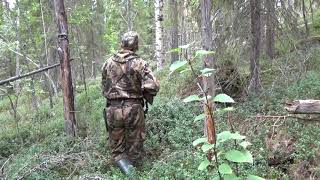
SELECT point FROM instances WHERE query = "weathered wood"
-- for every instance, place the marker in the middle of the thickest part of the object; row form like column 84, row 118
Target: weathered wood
column 11, row 79
column 303, row 107
column 64, row 54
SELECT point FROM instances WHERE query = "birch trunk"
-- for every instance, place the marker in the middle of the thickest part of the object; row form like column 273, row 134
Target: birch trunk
column 159, row 33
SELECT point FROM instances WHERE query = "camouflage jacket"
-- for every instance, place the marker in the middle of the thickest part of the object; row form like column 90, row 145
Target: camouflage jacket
column 126, row 75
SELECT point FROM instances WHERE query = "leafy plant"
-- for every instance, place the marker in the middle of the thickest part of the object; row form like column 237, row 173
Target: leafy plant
column 219, row 152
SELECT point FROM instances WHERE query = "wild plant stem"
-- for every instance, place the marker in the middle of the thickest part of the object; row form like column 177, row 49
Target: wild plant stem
column 210, row 113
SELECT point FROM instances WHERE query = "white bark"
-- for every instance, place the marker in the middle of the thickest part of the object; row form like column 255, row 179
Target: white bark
column 159, row 33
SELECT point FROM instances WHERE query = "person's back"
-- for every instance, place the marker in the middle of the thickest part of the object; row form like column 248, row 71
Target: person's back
column 126, row 80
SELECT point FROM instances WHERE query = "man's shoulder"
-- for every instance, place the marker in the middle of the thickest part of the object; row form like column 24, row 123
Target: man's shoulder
column 107, row 61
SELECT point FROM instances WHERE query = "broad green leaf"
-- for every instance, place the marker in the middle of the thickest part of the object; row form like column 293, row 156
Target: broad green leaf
column 245, row 144
column 248, row 156
column 223, row 98
column 207, row 70
column 185, row 70
column 227, row 135
column 199, row 117
column 203, row 165
column 225, row 169
column 216, row 178
column 199, row 141
column 200, row 53
column 239, row 157
column 175, row 50
column 207, row 147
column 224, row 110
column 178, row 66
column 230, row 177
column 192, row 98
column 253, row 177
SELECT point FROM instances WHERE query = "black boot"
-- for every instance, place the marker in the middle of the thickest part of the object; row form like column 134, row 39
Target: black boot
column 125, row 166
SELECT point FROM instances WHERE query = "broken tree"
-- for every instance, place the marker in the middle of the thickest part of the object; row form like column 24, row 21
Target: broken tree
column 303, row 107
column 63, row 49
column 308, row 110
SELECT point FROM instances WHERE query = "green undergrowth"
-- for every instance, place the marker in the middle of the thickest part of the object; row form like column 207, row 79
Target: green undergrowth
column 37, row 147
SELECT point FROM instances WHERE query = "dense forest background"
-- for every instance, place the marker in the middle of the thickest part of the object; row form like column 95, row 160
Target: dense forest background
column 264, row 52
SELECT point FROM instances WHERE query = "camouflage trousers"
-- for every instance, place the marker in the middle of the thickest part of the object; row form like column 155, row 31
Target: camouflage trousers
column 126, row 126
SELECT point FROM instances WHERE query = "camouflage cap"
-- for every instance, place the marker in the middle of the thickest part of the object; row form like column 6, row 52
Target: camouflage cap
column 130, row 41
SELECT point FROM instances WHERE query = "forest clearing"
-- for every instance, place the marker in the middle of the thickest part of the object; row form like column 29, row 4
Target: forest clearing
column 239, row 93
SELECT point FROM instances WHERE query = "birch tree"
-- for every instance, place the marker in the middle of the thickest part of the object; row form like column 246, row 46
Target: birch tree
column 159, row 33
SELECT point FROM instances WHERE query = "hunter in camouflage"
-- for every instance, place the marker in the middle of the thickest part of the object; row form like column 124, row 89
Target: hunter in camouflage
column 126, row 82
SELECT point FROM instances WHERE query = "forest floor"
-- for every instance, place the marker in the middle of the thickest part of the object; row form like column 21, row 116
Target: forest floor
column 35, row 147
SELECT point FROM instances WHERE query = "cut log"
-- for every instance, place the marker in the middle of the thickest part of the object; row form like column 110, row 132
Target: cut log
column 303, row 107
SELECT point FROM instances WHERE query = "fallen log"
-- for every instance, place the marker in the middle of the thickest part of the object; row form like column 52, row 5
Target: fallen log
column 11, row 79
column 303, row 107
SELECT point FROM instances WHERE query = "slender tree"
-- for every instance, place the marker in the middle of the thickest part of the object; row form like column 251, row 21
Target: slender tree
column 255, row 85
column 68, row 96
column 159, row 33
column 304, row 12
column 173, row 5
column 270, row 28
column 209, row 61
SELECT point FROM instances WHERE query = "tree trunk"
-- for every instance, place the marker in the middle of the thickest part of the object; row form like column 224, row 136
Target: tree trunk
column 46, row 55
column 93, row 62
column 129, row 15
column 174, row 28
column 303, row 107
column 305, row 17
column 255, row 85
column 68, row 96
column 16, row 26
column 159, row 33
column 270, row 29
column 208, row 82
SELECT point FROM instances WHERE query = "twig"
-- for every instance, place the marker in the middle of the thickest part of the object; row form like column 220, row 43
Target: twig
column 2, row 168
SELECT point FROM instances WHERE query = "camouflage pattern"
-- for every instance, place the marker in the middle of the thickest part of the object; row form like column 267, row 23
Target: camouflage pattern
column 126, row 131
column 126, row 75
column 125, row 79
column 129, row 41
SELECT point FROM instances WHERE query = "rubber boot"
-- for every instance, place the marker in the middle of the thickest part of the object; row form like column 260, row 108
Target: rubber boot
column 125, row 166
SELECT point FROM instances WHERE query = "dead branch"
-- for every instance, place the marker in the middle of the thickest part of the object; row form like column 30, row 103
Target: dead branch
column 303, row 107
column 3, row 166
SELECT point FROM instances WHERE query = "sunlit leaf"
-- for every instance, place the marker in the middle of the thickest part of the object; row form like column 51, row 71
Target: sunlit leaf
column 239, row 157
column 207, row 70
column 224, row 110
column 207, row 147
column 245, row 144
column 230, row 177
column 175, row 50
column 199, row 117
column 223, row 98
column 204, row 164
column 200, row 53
column 199, row 141
column 192, row 98
column 253, row 177
column 227, row 135
column 185, row 70
column 178, row 65
column 225, row 169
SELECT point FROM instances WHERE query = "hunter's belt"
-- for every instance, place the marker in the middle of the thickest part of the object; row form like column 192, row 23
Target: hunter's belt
column 121, row 102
